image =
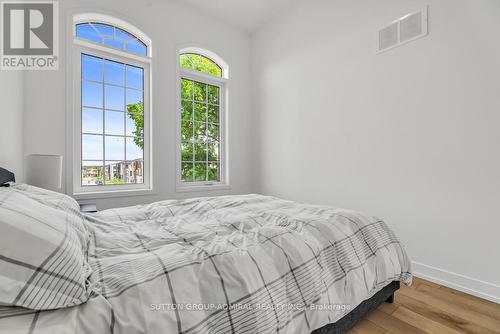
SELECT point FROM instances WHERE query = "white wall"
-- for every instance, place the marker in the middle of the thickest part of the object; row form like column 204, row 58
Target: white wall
column 11, row 122
column 411, row 135
column 169, row 24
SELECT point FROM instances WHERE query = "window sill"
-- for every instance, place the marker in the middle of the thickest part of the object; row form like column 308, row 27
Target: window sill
column 202, row 187
column 113, row 193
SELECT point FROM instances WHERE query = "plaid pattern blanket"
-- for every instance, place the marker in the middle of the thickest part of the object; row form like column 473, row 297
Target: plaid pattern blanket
column 232, row 264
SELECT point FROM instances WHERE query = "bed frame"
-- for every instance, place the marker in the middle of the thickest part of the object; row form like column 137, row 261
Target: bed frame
column 348, row 321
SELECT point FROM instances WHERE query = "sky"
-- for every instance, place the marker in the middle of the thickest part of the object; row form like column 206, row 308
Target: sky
column 107, row 88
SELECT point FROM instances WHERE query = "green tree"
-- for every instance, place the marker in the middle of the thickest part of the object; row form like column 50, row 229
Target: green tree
column 136, row 113
column 200, row 131
column 200, row 63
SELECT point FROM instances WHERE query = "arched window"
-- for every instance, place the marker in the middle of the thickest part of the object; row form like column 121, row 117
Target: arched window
column 200, row 63
column 112, row 105
column 202, row 156
column 111, row 36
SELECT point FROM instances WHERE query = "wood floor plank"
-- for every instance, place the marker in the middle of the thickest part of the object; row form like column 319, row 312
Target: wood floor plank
column 418, row 281
column 430, row 297
column 365, row 326
column 466, row 301
column 433, row 313
column 425, row 324
column 388, row 307
column 392, row 324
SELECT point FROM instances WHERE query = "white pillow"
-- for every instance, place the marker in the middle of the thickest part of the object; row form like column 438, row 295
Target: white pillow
column 43, row 246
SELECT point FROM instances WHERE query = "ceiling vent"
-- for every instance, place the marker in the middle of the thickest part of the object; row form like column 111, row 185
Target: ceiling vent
column 402, row 30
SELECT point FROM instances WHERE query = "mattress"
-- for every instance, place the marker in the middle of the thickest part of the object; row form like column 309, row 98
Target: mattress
column 229, row 264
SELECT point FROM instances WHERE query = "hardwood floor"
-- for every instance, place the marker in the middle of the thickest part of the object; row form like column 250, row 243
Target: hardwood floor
column 426, row 307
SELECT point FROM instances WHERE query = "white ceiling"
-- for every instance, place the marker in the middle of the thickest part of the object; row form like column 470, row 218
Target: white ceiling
column 247, row 15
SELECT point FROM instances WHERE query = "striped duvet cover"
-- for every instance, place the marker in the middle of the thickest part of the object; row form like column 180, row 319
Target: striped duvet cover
column 231, row 264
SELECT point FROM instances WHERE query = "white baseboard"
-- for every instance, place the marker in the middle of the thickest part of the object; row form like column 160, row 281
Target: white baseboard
column 459, row 282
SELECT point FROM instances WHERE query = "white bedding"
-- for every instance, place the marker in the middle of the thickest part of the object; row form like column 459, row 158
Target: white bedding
column 278, row 264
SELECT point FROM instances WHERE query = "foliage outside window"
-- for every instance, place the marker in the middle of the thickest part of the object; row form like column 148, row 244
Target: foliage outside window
column 200, row 121
column 200, row 63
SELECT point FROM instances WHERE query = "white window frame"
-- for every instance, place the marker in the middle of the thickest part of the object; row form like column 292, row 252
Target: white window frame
column 223, row 84
column 79, row 47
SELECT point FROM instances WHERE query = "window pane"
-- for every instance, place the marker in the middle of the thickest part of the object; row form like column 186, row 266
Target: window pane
column 187, row 171
column 200, row 171
column 200, row 132
column 85, row 31
column 114, row 172
column 187, row 89
column 114, row 43
column 115, row 98
column 187, row 131
column 200, row 152
column 215, row 70
column 115, row 123
column 122, row 35
column 187, row 111
column 135, row 77
column 137, row 47
column 212, row 132
column 213, row 151
column 134, row 97
column 92, row 68
column 213, row 94
column 91, row 94
column 200, row 92
column 92, row 120
column 135, row 148
column 134, row 172
column 103, row 29
column 196, row 60
column 213, row 114
column 92, row 147
column 210, row 67
column 92, row 173
column 200, row 112
column 114, row 73
column 187, row 151
column 213, row 172
column 110, row 36
column 200, row 63
column 185, row 61
column 115, row 148
column 135, row 124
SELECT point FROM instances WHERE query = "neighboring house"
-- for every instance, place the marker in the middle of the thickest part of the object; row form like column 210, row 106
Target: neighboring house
column 126, row 172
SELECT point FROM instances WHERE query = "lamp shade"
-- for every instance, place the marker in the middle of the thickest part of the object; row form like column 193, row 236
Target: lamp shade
column 44, row 171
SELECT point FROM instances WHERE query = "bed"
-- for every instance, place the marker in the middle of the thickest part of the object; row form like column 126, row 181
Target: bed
column 229, row 264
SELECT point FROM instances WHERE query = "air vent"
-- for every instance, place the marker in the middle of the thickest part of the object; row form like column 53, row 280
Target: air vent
column 388, row 37
column 402, row 30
